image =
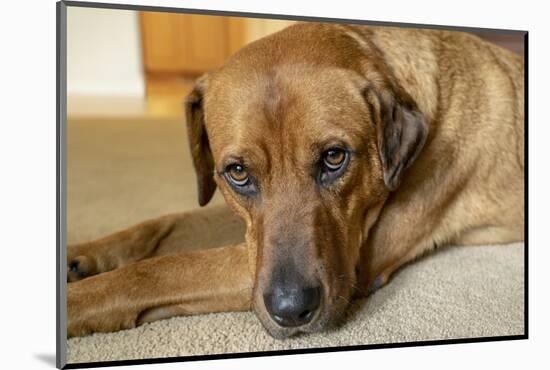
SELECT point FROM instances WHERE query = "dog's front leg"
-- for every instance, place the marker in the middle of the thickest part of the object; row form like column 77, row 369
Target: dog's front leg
column 166, row 235
column 187, row 283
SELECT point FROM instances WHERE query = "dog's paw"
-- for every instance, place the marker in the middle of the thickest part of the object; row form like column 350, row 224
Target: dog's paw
column 80, row 267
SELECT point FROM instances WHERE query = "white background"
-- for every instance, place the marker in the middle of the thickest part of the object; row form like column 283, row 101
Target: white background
column 27, row 173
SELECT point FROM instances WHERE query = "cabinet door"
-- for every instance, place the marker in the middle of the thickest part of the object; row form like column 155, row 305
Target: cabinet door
column 183, row 43
column 206, row 42
column 162, row 38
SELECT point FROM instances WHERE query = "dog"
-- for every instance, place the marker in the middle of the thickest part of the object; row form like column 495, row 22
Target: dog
column 343, row 152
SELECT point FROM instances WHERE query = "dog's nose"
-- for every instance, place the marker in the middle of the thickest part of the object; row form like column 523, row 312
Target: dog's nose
column 292, row 307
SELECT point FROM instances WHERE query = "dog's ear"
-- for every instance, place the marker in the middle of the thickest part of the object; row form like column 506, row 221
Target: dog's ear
column 401, row 131
column 198, row 142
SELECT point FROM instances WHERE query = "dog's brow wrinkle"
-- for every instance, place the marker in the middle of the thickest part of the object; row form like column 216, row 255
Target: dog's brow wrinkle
column 273, row 101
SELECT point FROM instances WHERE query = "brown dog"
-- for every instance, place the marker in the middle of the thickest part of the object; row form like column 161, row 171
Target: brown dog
column 348, row 151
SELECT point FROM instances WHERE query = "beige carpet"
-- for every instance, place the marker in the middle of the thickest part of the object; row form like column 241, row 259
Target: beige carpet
column 122, row 172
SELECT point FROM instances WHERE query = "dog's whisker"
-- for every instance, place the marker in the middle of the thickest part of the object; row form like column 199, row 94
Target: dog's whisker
column 244, row 289
column 344, row 298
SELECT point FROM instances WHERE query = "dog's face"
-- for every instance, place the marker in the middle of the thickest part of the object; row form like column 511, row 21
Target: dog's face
column 306, row 154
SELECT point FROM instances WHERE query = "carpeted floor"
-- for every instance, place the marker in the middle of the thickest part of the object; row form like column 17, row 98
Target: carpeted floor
column 122, row 172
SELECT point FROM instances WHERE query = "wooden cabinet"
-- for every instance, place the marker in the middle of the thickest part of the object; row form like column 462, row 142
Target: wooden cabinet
column 184, row 43
column 192, row 44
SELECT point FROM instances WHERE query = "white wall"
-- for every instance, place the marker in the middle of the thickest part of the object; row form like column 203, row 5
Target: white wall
column 104, row 53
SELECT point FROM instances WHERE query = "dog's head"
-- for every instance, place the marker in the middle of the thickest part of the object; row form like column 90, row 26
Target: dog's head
column 305, row 148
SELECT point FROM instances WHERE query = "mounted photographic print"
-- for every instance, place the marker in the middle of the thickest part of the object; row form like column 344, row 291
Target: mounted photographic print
column 236, row 184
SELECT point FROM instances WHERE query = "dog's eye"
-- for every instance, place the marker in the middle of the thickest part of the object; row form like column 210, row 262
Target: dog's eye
column 333, row 164
column 334, row 158
column 237, row 174
column 240, row 180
